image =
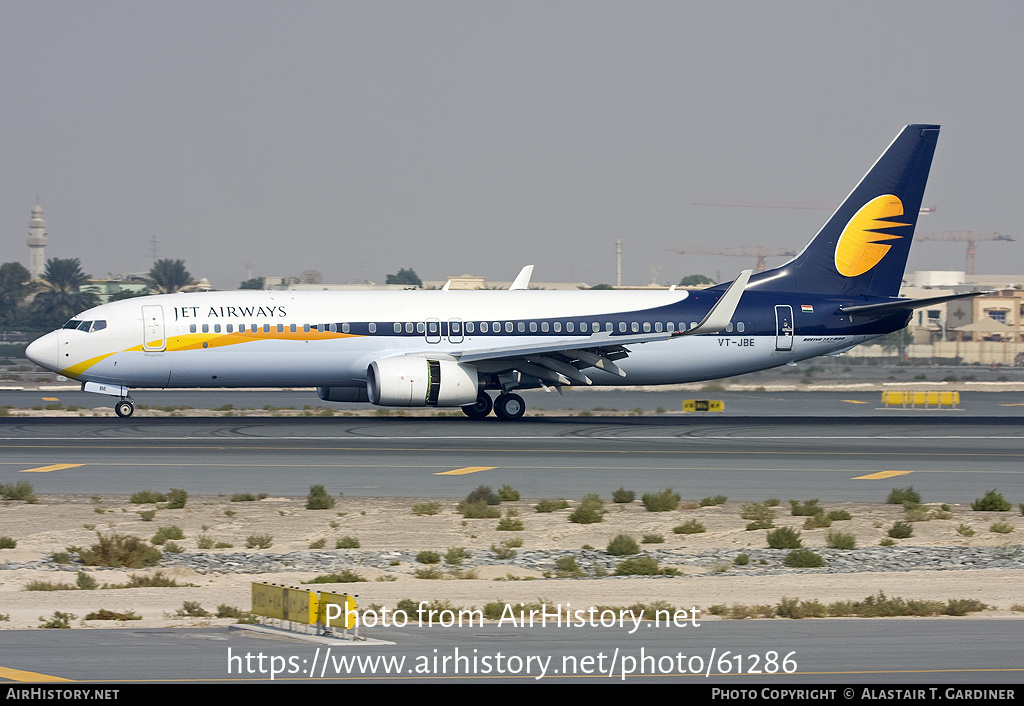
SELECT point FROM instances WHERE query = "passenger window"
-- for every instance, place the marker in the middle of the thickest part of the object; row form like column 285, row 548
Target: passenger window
column 470, row 327
column 595, row 327
column 398, row 327
column 333, row 328
column 739, row 326
column 544, row 326
column 657, row 326
column 508, row 327
column 206, row 328
column 634, row 326
column 230, row 328
column 305, row 328
column 280, row 328
column 319, row 328
column 192, row 328
column 558, row 327
column 290, row 328
column 570, row 327
column 622, row 327
column 647, row 327
column 728, row 327
column 420, row 328
column 255, row 328
column 693, row 324
column 608, row 327
column 266, row 328
column 345, row 328
column 521, row 327
column 483, row 327
column 216, row 328
column 533, row 327
column 373, row 327
column 409, row 328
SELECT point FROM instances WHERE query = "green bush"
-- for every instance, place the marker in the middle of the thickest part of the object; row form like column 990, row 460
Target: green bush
column 590, row 510
column 662, row 501
column 690, row 527
column 104, row 614
column 551, row 505
column 165, row 533
column 992, row 502
column 176, row 499
column 147, row 515
column 760, row 513
column 145, row 497
column 566, row 567
column 806, row 508
column 508, row 494
column 653, row 539
column 902, row 496
column 455, row 555
column 478, row 510
column 804, row 559
column 741, row 560
column 637, row 566
column 428, row 557
column 817, row 521
column 483, row 493
column 836, row 515
column 243, row 498
column 510, row 524
column 1001, row 527
column 840, row 540
column 318, row 499
column 344, row 576
column 901, row 530
column 503, row 552
column 347, row 542
column 8, row 543
column 784, row 538
column 623, row 545
column 715, row 500
column 120, row 551
column 259, row 541
column 623, row 496
column 431, row 507
column 21, row 490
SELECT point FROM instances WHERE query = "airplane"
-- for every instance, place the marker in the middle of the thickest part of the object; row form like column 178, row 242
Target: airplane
column 452, row 348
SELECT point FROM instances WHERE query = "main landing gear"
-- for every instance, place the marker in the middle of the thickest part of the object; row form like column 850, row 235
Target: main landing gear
column 507, row 406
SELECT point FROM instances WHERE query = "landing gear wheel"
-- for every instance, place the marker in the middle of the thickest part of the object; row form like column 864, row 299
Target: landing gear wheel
column 124, row 408
column 510, row 406
column 479, row 409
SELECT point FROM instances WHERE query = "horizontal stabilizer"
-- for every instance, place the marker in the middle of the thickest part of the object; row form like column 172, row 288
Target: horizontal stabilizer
column 905, row 304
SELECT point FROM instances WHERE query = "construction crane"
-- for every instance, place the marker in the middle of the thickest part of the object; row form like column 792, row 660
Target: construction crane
column 742, row 251
column 788, row 204
column 965, row 236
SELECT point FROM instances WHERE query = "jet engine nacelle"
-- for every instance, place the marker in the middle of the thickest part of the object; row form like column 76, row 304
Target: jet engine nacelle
column 411, row 381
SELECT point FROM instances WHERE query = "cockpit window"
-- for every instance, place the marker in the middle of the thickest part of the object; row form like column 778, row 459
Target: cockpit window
column 84, row 326
column 73, row 324
column 99, row 325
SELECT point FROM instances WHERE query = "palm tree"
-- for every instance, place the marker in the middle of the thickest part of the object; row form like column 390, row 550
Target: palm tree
column 168, row 276
column 62, row 296
column 15, row 286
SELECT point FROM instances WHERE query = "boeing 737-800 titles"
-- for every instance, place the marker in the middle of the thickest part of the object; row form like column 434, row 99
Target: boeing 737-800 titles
column 450, row 348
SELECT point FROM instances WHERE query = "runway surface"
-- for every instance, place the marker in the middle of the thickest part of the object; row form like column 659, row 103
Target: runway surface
column 948, row 458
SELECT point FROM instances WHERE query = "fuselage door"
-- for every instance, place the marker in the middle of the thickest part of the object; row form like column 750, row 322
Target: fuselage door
column 154, row 338
column 455, row 330
column 433, row 330
column 783, row 327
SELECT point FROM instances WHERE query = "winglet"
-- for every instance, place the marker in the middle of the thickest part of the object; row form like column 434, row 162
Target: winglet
column 447, row 286
column 523, row 279
column 722, row 312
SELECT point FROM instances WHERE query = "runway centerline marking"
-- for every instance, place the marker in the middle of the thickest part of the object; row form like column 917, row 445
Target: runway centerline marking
column 54, row 467
column 467, row 470
column 21, row 675
column 882, row 474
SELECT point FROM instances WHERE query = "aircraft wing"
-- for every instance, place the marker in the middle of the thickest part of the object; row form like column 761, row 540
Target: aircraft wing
column 559, row 362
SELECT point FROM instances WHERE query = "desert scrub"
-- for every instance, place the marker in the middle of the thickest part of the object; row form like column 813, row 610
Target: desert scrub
column 623, row 496
column 623, row 545
column 637, row 566
column 901, row 530
column 146, row 497
column 165, row 533
column 176, row 499
column 121, row 551
column 551, row 505
column 478, row 510
column 653, row 539
column 8, row 543
column 259, row 541
column 347, row 542
column 590, row 510
column 344, row 576
column 484, row 494
column 804, row 559
column 428, row 557
column 243, row 498
column 903, row 496
column 431, row 507
column 21, row 490
column 784, row 538
column 510, row 523
column 712, row 501
column 1001, row 528
column 840, row 540
column 662, row 501
column 991, row 502
column 761, row 513
column 690, row 527
column 805, row 509
column 566, row 567
column 508, row 494
column 318, row 499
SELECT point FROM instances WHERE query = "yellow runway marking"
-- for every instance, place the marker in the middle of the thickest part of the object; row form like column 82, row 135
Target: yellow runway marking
column 466, row 470
column 51, row 399
column 855, row 401
column 54, row 467
column 883, row 474
column 19, row 675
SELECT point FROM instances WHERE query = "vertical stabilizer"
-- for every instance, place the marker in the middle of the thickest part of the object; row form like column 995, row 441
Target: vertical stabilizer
column 862, row 249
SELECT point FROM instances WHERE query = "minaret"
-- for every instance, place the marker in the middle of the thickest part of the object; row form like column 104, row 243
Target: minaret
column 37, row 243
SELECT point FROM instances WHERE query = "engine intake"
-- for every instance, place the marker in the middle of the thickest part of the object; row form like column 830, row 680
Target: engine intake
column 412, row 381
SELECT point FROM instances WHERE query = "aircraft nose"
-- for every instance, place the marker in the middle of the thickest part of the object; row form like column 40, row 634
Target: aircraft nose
column 44, row 352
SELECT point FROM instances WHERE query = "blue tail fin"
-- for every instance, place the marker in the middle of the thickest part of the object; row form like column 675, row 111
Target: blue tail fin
column 861, row 251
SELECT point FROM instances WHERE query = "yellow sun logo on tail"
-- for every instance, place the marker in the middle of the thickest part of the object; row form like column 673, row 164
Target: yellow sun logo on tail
column 860, row 247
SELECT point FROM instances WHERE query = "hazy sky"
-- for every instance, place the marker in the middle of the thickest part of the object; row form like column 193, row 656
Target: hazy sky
column 355, row 138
